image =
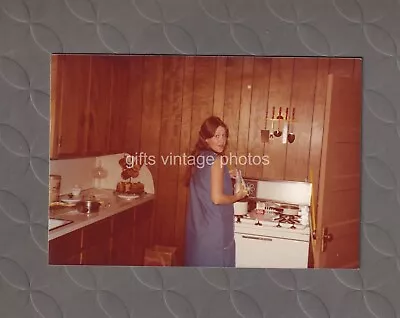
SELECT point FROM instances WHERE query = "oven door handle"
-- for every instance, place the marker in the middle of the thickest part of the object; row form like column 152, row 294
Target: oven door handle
column 257, row 238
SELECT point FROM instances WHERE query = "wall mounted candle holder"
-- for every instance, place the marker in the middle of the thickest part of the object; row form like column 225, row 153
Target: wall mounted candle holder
column 275, row 130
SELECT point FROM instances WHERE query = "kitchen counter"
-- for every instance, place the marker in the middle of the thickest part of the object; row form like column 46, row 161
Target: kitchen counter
column 112, row 205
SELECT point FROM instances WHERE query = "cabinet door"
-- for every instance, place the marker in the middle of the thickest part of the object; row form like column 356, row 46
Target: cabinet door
column 96, row 255
column 68, row 109
column 142, row 231
column 98, row 112
column 55, row 100
column 96, row 239
column 122, row 238
column 66, row 250
column 96, row 105
column 119, row 103
column 133, row 107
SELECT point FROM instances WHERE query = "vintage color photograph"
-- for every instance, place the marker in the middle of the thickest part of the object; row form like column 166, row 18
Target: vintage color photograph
column 205, row 161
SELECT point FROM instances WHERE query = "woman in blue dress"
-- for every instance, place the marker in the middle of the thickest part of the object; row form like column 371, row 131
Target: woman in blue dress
column 210, row 217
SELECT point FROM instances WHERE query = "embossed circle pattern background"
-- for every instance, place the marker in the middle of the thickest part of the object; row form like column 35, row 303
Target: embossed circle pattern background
column 32, row 29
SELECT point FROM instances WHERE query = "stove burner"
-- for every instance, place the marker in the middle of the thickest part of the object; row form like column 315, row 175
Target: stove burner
column 290, row 219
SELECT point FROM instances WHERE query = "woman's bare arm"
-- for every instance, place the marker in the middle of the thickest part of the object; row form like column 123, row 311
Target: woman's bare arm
column 217, row 185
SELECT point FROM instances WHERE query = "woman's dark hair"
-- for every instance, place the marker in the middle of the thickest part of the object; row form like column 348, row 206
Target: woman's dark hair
column 207, row 130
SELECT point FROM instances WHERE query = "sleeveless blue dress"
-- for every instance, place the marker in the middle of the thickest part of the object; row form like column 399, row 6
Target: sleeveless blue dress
column 209, row 227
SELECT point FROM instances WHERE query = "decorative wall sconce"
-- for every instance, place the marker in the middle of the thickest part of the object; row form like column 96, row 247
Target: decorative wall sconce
column 274, row 131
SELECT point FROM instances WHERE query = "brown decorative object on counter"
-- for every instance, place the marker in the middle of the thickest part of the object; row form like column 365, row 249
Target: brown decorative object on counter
column 133, row 173
column 122, row 163
column 138, row 160
column 120, row 187
column 137, row 188
column 130, row 187
column 129, row 171
column 125, row 175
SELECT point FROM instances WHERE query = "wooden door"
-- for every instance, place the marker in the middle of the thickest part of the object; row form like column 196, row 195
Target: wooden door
column 338, row 212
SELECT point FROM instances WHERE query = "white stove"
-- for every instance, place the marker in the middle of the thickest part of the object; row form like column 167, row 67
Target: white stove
column 276, row 234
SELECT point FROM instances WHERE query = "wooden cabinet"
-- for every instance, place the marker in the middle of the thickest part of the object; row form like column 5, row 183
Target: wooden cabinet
column 126, row 105
column 141, row 235
column 131, row 235
column 92, row 106
column 66, row 249
column 123, row 242
column 69, row 102
column 96, row 243
column 118, row 240
column 99, row 107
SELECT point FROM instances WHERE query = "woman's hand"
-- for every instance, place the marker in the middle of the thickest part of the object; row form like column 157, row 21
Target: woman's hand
column 232, row 173
column 217, row 185
column 242, row 193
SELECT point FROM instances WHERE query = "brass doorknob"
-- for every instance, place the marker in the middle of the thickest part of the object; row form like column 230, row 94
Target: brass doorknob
column 328, row 237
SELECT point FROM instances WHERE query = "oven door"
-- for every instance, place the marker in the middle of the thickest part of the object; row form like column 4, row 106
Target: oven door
column 255, row 251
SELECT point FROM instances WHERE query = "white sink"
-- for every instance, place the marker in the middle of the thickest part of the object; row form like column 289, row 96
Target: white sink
column 54, row 223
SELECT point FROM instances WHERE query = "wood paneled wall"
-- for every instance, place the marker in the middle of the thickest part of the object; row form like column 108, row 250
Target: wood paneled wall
column 170, row 96
column 174, row 94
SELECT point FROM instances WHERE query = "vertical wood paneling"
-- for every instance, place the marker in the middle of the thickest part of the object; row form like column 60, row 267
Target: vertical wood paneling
column 120, row 87
column 134, row 108
column 219, row 90
column 318, row 122
column 151, row 114
column 75, row 78
column 303, row 93
column 244, row 112
column 203, row 93
column 182, row 191
column 279, row 96
column 169, row 147
column 259, row 98
column 99, row 107
column 180, row 93
column 341, row 66
column 151, row 123
column 233, row 85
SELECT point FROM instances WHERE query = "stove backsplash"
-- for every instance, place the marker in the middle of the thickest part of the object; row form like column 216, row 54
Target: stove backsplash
column 280, row 191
